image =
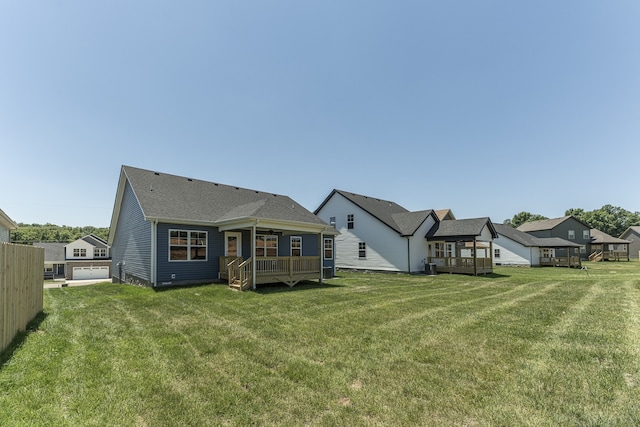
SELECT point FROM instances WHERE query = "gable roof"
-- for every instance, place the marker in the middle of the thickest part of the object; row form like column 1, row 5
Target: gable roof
column 181, row 200
column 634, row 229
column 528, row 240
column 547, row 224
column 396, row 217
column 461, row 228
column 445, row 214
column 7, row 222
column 600, row 237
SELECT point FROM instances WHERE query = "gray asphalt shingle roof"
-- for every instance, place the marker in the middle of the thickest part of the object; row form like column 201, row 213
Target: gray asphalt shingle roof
column 528, row 240
column 390, row 213
column 176, row 198
column 461, row 228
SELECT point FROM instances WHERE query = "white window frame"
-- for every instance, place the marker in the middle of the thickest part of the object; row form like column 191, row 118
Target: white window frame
column 99, row 252
column 328, row 246
column 79, row 253
column 298, row 240
column 583, row 249
column 351, row 223
column 189, row 244
column 586, row 234
column 572, row 235
column 264, row 247
column 496, row 253
column 362, row 250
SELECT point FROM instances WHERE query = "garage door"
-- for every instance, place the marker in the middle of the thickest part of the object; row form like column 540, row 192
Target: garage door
column 84, row 273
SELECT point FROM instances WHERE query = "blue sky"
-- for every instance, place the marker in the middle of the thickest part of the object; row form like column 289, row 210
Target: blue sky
column 489, row 108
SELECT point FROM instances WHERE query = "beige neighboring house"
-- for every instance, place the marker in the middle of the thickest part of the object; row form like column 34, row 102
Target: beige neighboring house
column 89, row 257
column 6, row 225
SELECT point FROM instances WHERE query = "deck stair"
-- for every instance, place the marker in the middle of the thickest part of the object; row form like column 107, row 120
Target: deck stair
column 596, row 256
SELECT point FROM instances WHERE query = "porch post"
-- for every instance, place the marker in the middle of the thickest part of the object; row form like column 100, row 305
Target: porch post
column 321, row 255
column 475, row 257
column 253, row 256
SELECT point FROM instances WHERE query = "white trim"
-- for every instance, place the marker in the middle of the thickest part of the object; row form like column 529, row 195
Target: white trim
column 188, row 246
column 238, row 236
column 299, row 238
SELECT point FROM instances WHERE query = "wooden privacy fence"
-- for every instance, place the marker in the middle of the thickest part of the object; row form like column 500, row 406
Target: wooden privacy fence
column 21, row 289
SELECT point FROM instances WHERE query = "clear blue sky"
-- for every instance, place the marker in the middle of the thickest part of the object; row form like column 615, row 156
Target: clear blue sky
column 489, row 108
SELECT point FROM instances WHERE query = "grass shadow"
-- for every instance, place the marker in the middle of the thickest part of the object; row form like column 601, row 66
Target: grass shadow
column 274, row 288
column 20, row 338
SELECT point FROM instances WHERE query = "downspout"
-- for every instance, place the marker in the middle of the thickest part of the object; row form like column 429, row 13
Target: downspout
column 409, row 254
column 254, row 264
column 154, row 251
column 321, row 254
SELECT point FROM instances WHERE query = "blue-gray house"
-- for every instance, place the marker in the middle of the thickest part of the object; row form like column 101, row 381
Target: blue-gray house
column 169, row 230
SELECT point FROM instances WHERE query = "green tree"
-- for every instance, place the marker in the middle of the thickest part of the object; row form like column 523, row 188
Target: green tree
column 612, row 220
column 522, row 217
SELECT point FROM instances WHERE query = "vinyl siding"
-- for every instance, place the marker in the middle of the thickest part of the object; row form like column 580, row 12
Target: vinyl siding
column 386, row 249
column 4, row 234
column 513, row 253
column 634, row 246
column 132, row 242
column 188, row 272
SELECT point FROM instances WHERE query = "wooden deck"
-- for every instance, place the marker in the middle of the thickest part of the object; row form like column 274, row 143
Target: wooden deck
column 600, row 255
column 573, row 261
column 290, row 270
column 462, row 265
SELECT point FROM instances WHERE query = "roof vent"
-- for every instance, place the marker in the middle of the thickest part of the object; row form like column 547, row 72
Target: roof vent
column 156, row 173
column 189, row 179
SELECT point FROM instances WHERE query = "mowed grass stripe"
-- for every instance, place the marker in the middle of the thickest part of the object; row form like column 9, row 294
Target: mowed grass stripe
column 363, row 349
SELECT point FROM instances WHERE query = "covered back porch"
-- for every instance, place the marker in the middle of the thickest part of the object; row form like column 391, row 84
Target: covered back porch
column 270, row 252
column 473, row 257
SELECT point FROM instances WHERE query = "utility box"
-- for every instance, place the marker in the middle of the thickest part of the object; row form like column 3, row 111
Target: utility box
column 430, row 269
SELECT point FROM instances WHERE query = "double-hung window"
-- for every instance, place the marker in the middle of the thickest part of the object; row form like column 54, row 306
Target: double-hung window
column 572, row 234
column 79, row 253
column 350, row 221
column 328, row 248
column 187, row 245
column 362, row 250
column 586, row 234
column 296, row 246
column 267, row 245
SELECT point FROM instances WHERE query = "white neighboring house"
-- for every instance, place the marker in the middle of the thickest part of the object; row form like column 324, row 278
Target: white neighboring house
column 6, row 225
column 88, row 258
column 517, row 248
column 376, row 234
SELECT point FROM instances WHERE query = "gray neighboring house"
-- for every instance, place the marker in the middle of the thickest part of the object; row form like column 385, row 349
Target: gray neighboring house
column 567, row 228
column 54, row 259
column 517, row 248
column 632, row 234
column 6, row 225
column 169, row 230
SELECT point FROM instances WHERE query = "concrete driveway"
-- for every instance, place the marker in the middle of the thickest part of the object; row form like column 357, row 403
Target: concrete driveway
column 63, row 283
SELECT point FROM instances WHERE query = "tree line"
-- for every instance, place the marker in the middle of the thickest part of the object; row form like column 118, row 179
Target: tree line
column 30, row 233
column 612, row 220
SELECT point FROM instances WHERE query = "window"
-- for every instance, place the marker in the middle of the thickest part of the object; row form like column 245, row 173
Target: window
column 572, row 234
column 78, row 253
column 583, row 249
column 328, row 248
column 99, row 252
column 332, row 221
column 439, row 250
column 296, row 246
column 496, row 253
column 266, row 245
column 449, row 247
column 362, row 250
column 586, row 235
column 350, row 221
column 187, row 245
column 546, row 253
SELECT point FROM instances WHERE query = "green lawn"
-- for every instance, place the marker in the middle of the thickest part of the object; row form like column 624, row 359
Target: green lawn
column 539, row 347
